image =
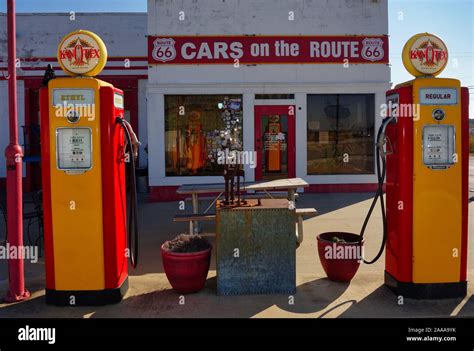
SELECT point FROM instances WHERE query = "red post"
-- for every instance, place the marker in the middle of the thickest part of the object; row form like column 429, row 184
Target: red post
column 14, row 156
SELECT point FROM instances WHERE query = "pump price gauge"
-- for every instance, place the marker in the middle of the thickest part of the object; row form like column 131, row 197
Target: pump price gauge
column 74, row 149
column 438, row 146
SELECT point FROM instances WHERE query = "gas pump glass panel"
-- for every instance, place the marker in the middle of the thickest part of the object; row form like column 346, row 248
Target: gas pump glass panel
column 74, row 96
column 74, row 149
column 274, row 151
column 438, row 96
column 439, row 145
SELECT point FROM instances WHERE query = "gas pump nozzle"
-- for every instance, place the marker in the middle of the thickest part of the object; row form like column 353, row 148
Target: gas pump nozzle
column 135, row 142
column 382, row 139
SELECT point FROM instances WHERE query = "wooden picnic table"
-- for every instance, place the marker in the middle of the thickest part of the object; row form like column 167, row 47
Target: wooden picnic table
column 290, row 184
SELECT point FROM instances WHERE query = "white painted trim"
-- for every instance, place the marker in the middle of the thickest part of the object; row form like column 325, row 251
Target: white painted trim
column 300, row 135
column 156, row 139
column 249, row 133
column 142, row 122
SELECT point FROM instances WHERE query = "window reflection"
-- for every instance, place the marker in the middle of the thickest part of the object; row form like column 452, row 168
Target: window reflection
column 195, row 128
column 340, row 134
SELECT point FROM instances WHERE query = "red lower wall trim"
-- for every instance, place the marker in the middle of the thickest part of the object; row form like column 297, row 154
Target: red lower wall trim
column 168, row 193
column 342, row 188
column 164, row 193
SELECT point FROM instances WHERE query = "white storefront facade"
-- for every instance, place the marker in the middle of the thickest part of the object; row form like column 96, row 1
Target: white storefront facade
column 313, row 71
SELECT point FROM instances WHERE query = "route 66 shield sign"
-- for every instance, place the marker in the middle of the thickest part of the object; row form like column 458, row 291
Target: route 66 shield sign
column 372, row 49
column 163, row 49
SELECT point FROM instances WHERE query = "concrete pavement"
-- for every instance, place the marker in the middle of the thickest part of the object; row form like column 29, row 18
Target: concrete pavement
column 150, row 294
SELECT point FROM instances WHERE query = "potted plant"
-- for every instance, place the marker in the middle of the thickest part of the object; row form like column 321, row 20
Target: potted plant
column 340, row 254
column 186, row 261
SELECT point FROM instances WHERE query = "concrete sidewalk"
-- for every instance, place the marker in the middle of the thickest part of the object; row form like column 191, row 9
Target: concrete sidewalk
column 150, row 294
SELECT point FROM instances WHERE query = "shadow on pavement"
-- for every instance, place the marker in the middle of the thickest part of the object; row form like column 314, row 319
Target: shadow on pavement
column 311, row 297
column 166, row 304
column 384, row 303
column 36, row 307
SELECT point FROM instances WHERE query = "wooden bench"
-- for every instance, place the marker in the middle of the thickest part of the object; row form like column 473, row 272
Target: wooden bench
column 300, row 213
column 191, row 218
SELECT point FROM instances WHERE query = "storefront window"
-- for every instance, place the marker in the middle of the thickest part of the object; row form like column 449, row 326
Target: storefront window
column 340, row 134
column 197, row 127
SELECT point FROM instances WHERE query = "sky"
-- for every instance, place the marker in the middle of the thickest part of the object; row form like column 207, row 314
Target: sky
column 77, row 5
column 451, row 20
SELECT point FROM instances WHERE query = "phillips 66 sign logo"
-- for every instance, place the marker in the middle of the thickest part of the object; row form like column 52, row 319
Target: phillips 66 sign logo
column 164, row 50
column 372, row 49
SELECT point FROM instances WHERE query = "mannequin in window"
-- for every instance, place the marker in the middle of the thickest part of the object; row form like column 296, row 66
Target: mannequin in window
column 195, row 143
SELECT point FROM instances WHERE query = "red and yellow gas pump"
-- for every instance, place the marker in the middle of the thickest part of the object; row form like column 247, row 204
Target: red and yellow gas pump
column 83, row 138
column 427, row 177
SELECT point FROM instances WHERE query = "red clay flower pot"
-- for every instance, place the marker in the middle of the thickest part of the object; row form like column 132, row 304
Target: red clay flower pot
column 186, row 272
column 340, row 260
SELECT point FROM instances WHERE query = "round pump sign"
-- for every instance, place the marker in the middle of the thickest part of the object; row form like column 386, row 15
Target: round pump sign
column 82, row 53
column 425, row 54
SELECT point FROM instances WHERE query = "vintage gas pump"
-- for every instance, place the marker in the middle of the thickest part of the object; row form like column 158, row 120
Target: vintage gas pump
column 83, row 138
column 426, row 152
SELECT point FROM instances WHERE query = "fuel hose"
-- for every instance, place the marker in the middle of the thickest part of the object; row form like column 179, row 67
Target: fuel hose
column 381, row 166
column 132, row 217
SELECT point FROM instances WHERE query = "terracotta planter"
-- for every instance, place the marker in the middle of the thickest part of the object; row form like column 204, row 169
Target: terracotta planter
column 340, row 260
column 186, row 272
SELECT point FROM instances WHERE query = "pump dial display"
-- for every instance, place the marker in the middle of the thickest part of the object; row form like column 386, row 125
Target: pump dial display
column 74, row 148
column 438, row 146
